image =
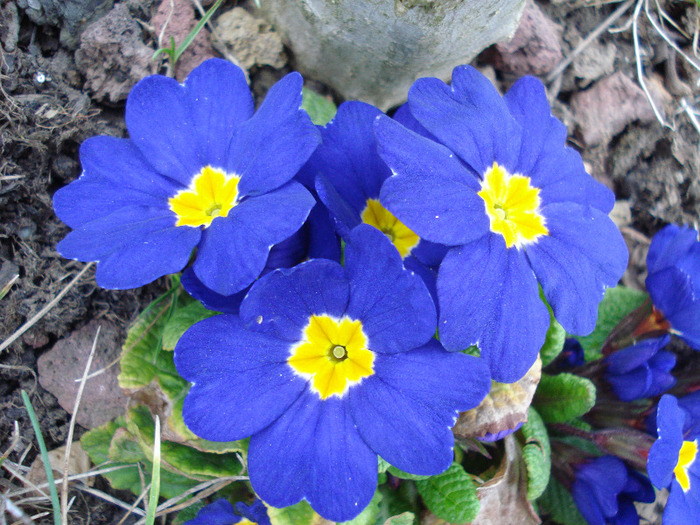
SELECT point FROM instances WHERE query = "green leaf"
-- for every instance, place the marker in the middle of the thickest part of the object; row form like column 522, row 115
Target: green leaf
column 558, row 503
column 404, row 475
column 554, row 340
column 537, row 454
column 617, row 303
column 382, row 465
column 299, row 514
column 451, row 496
column 406, row 518
column 181, row 320
column 320, row 109
column 563, row 397
column 369, row 515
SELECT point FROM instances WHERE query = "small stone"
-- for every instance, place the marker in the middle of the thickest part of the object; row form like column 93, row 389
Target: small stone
column 605, row 109
column 61, row 368
column 596, row 61
column 251, row 40
column 535, row 48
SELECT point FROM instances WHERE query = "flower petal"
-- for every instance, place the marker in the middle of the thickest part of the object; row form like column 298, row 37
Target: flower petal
column 228, row 304
column 583, row 254
column 270, row 148
column 668, row 245
column 234, row 249
column 344, row 216
column 394, row 305
column 282, row 302
column 241, row 379
column 406, row 409
column 132, row 246
column 431, row 191
column 489, row 296
column 219, row 100
column 470, row 118
column 663, row 455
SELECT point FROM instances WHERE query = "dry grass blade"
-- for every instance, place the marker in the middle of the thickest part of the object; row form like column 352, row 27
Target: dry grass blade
column 110, row 499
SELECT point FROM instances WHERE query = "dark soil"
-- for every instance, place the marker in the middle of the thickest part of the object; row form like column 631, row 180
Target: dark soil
column 46, row 111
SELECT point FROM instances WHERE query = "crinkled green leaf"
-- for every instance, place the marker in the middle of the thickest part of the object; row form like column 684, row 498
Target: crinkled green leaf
column 451, row 496
column 558, row 503
column 554, row 340
column 617, row 303
column 320, row 109
column 404, row 475
column 181, row 320
column 537, row 454
column 405, row 518
column 188, row 513
column 369, row 515
column 299, row 514
column 563, row 397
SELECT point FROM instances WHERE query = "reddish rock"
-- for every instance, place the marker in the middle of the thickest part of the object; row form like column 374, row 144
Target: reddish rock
column 112, row 56
column 178, row 18
column 59, row 368
column 535, row 48
column 605, row 109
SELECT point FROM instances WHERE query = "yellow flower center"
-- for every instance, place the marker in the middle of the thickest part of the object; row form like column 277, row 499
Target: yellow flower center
column 512, row 206
column 333, row 355
column 212, row 193
column 378, row 216
column 686, row 457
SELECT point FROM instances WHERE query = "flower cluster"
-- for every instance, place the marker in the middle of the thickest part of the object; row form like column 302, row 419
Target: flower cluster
column 458, row 222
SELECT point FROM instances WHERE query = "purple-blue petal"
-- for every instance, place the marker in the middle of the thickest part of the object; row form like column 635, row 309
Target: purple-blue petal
column 344, row 216
column 255, row 512
column 281, row 302
column 241, row 379
column 669, row 245
column 220, row 512
column 271, row 147
column 583, row 254
column 228, row 304
column 405, row 410
column 663, row 455
column 431, row 191
column 234, row 249
column 394, row 305
column 633, row 356
column 489, row 296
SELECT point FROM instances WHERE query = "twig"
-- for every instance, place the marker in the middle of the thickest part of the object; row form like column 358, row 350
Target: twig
column 587, row 41
column 691, row 114
column 26, row 326
column 668, row 40
column 71, row 429
column 109, row 498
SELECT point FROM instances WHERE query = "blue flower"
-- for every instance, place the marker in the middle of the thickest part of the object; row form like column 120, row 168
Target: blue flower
column 517, row 208
column 200, row 170
column 326, row 368
column 221, row 512
column 641, row 370
column 605, row 490
column 673, row 280
column 674, row 463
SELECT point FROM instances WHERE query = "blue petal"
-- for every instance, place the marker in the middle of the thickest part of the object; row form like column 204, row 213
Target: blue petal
column 406, row 409
column 633, row 384
column 344, row 216
column 115, row 175
column 133, row 246
column 348, row 157
column 234, row 249
column 394, row 305
column 228, row 304
column 663, row 455
column 221, row 512
column 241, row 379
column 669, row 245
column 681, row 508
column 404, row 117
column 255, row 512
column 322, row 240
column 583, row 254
column 344, row 474
column 470, row 118
column 429, row 253
column 219, row 101
column 586, row 502
column 631, row 357
column 282, row 302
column 606, row 477
column 489, row 296
column 431, row 191
column 158, row 119
column 271, row 147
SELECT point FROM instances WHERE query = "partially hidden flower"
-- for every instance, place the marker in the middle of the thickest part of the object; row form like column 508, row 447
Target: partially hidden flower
column 516, row 207
column 201, row 169
column 641, row 370
column 673, row 280
column 326, row 368
column 222, row 512
column 605, row 490
column 674, row 463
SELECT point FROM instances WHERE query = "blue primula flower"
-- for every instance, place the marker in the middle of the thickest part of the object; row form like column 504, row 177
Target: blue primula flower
column 221, row 512
column 605, row 490
column 326, row 368
column 673, row 280
column 674, row 463
column 515, row 205
column 641, row 370
column 200, row 170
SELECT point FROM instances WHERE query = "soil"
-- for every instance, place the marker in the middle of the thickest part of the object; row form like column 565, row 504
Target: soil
column 52, row 99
